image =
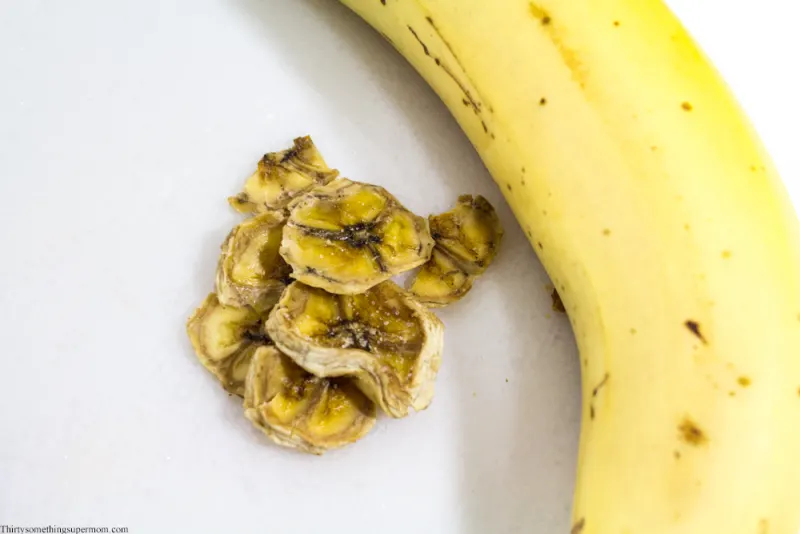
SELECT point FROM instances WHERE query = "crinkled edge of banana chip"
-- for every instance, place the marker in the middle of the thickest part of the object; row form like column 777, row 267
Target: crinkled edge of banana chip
column 303, row 158
column 316, row 278
column 375, row 378
column 261, row 298
column 219, row 367
column 256, row 402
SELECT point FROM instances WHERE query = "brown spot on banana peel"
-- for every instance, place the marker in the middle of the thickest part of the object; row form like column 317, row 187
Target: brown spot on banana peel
column 578, row 527
column 744, row 381
column 691, row 433
column 595, row 392
column 421, row 43
column 599, row 386
column 569, row 56
column 694, row 328
column 539, row 13
column 481, row 100
column 468, row 98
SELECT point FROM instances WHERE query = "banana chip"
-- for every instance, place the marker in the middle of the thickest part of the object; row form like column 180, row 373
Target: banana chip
column 383, row 338
column 299, row 410
column 315, row 357
column 224, row 339
column 347, row 237
column 283, row 176
column 250, row 271
column 470, row 233
column 441, row 281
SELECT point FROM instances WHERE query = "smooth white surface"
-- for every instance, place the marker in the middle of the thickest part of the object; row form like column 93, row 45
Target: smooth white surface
column 123, row 127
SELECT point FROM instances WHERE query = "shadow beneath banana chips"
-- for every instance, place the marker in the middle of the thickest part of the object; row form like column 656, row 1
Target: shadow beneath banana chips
column 504, row 422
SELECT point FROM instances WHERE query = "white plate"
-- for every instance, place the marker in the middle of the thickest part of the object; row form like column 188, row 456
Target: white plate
column 123, row 127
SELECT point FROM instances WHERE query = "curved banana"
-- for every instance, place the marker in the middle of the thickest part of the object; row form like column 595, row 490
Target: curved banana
column 665, row 228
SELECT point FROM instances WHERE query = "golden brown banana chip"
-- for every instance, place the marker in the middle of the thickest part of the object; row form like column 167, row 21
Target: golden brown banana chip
column 440, row 281
column 299, row 410
column 347, row 236
column 224, row 339
column 283, row 176
column 470, row 233
column 250, row 271
column 383, row 338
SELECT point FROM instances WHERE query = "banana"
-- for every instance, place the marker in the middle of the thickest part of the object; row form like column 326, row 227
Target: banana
column 666, row 230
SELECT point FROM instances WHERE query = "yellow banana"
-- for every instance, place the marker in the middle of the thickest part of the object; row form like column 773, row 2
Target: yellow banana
column 666, row 229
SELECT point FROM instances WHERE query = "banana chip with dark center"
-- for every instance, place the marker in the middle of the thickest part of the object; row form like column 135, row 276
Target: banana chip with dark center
column 299, row 410
column 250, row 271
column 383, row 338
column 441, row 281
column 283, row 176
column 347, row 237
column 470, row 233
column 224, row 339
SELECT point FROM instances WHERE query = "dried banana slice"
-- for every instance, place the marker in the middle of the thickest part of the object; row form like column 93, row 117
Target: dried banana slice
column 347, row 236
column 224, row 339
column 250, row 271
column 299, row 410
column 470, row 233
column 283, row 176
column 383, row 338
column 440, row 281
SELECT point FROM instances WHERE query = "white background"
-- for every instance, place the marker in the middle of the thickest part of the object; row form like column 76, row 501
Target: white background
column 123, row 127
